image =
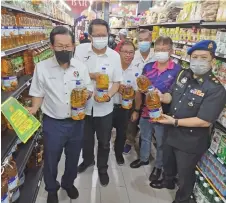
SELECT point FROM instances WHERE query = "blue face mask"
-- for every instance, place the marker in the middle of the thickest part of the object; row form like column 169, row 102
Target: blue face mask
column 144, row 46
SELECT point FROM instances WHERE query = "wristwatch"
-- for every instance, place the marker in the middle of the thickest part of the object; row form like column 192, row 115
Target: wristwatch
column 109, row 98
column 137, row 110
column 176, row 123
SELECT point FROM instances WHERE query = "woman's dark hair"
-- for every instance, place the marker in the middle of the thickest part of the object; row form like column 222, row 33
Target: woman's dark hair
column 127, row 42
column 61, row 30
column 97, row 22
column 164, row 40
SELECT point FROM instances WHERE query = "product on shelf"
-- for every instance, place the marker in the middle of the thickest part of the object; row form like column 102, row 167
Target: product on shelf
column 117, row 22
column 127, row 96
column 216, row 138
column 153, row 104
column 36, row 158
column 4, row 187
column 222, row 118
column 9, row 77
column 221, row 43
column 102, row 84
column 209, row 10
column 221, row 13
column 3, row 123
column 78, row 101
column 221, row 152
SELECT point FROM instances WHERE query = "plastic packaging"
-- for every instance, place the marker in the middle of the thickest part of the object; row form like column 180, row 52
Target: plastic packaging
column 143, row 83
column 127, row 97
column 102, row 84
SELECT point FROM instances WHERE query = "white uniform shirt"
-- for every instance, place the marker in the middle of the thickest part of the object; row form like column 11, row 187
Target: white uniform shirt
column 112, row 62
column 139, row 60
column 55, row 84
column 131, row 73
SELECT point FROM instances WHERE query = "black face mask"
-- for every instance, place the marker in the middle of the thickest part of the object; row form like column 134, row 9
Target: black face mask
column 63, row 56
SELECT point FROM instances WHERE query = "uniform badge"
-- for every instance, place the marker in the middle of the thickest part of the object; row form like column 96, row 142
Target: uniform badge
column 200, row 80
column 184, row 80
column 197, row 92
column 190, row 104
column 210, row 46
column 76, row 74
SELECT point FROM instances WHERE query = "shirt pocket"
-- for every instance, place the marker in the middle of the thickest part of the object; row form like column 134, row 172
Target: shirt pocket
column 194, row 102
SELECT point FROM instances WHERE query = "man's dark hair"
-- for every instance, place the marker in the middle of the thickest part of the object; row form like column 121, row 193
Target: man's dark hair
column 127, row 42
column 61, row 30
column 97, row 22
column 164, row 40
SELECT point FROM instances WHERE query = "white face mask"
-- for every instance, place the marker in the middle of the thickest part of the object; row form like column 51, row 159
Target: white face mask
column 100, row 42
column 199, row 67
column 162, row 57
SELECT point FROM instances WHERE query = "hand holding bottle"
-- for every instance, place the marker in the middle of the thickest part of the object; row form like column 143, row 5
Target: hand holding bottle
column 159, row 94
column 121, row 89
column 105, row 98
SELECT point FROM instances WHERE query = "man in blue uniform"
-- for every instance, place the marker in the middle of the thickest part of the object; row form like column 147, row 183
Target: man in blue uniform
column 196, row 99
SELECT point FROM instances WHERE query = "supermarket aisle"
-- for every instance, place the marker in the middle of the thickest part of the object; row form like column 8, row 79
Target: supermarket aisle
column 126, row 185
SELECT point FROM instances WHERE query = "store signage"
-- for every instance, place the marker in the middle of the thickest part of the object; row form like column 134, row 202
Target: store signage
column 21, row 121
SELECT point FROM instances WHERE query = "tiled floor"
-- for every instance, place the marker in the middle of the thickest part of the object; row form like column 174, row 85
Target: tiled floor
column 126, row 185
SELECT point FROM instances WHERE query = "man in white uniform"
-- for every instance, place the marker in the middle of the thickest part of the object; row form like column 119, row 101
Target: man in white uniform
column 99, row 113
column 144, row 55
column 51, row 87
column 120, row 114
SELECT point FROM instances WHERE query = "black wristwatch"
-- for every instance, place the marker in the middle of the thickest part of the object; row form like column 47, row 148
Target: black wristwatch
column 109, row 98
column 137, row 110
column 176, row 123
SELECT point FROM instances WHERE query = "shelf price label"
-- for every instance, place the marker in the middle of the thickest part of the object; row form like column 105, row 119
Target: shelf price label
column 19, row 118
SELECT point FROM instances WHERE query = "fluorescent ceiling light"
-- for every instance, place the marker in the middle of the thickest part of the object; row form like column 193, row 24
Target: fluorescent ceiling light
column 65, row 5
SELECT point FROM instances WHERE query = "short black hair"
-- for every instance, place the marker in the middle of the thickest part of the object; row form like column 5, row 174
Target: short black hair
column 164, row 40
column 127, row 42
column 97, row 22
column 61, row 30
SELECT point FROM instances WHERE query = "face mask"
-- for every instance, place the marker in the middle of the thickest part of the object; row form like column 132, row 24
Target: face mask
column 144, row 46
column 199, row 67
column 100, row 42
column 63, row 56
column 162, row 57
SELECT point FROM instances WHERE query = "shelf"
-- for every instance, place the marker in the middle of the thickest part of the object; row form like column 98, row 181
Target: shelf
column 24, row 152
column 184, row 43
column 29, row 191
column 23, row 47
column 9, row 139
column 23, row 83
column 32, row 12
column 216, row 24
column 211, row 184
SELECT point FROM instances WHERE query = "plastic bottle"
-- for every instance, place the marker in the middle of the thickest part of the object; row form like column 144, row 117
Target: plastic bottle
column 217, row 200
column 211, row 195
column 153, row 104
column 206, row 189
column 102, row 84
column 143, row 83
column 127, row 97
column 78, row 101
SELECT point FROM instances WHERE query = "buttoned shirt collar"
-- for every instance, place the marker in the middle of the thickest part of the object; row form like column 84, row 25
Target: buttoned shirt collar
column 169, row 67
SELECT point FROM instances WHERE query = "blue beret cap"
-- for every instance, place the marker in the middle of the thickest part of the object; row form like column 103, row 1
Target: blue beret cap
column 207, row 45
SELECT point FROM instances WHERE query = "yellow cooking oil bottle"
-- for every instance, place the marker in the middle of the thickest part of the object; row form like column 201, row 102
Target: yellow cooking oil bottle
column 78, row 101
column 143, row 83
column 102, row 84
column 128, row 96
column 153, row 104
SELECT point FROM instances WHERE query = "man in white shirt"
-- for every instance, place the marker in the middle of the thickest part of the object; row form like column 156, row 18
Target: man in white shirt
column 52, row 84
column 144, row 55
column 96, row 56
column 120, row 114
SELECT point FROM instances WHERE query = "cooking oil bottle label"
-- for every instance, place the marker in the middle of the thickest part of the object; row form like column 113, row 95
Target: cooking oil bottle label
column 9, row 81
column 127, row 103
column 5, row 198
column 155, row 113
column 78, row 113
column 101, row 93
column 13, row 182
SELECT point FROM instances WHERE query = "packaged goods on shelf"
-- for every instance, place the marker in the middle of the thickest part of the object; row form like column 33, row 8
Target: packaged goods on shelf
column 214, row 170
column 4, row 187
column 222, row 118
column 221, row 13
column 209, row 10
column 221, row 43
column 216, row 139
column 155, row 32
column 131, row 21
column 117, row 22
column 220, row 71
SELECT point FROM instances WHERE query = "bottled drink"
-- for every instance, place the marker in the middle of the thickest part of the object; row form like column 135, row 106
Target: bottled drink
column 206, row 189
column 211, row 195
column 143, row 83
column 217, row 200
column 127, row 97
column 78, row 101
column 153, row 104
column 102, row 84
column 201, row 181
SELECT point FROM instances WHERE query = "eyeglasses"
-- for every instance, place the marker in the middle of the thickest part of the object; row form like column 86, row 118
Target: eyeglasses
column 127, row 52
column 61, row 48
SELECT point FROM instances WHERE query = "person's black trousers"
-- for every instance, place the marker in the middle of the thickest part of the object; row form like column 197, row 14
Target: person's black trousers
column 120, row 123
column 182, row 163
column 61, row 135
column 102, row 127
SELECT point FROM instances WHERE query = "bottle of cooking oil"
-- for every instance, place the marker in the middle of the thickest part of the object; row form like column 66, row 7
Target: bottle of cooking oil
column 143, row 83
column 153, row 104
column 78, row 101
column 102, row 84
column 128, row 95
column 9, row 78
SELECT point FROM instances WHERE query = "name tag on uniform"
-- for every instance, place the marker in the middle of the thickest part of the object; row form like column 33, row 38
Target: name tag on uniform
column 182, row 82
column 197, row 92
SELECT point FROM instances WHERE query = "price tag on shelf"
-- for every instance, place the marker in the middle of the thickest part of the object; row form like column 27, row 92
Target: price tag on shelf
column 220, row 160
column 2, row 53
